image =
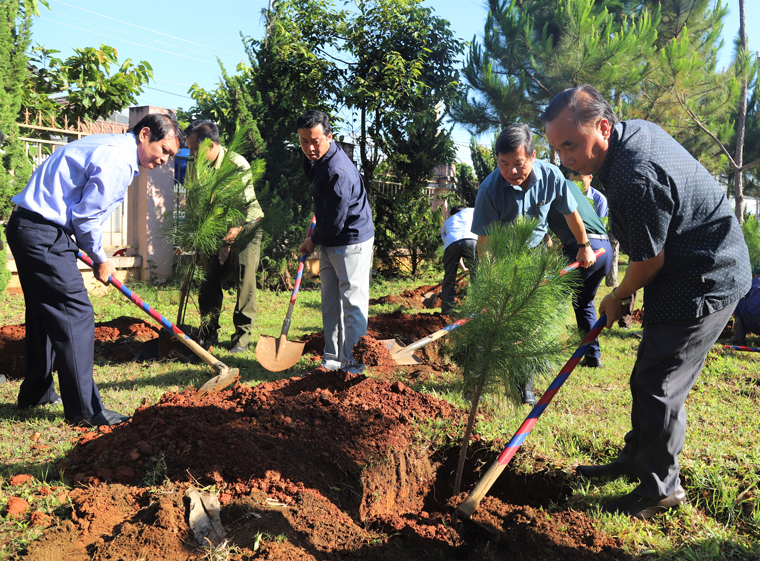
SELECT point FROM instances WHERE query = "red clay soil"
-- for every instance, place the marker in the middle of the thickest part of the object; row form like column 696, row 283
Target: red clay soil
column 412, row 298
column 637, row 316
column 326, row 466
column 397, row 325
column 115, row 341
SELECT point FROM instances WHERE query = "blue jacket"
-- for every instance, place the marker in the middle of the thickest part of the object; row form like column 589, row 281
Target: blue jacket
column 340, row 200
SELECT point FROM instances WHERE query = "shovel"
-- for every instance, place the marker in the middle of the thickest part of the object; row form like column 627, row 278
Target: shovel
column 280, row 354
column 405, row 355
column 471, row 503
column 225, row 376
column 431, row 296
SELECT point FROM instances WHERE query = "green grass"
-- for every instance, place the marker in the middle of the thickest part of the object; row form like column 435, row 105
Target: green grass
column 585, row 423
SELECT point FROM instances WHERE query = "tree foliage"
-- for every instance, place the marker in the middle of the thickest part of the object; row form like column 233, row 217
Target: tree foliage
column 534, row 49
column 467, row 184
column 483, row 159
column 401, row 66
column 519, row 304
column 84, row 82
column 15, row 36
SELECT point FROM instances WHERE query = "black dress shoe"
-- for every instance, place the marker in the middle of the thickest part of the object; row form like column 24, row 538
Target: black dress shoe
column 105, row 417
column 235, row 350
column 57, row 401
column 614, row 470
column 529, row 399
column 643, row 508
column 591, row 362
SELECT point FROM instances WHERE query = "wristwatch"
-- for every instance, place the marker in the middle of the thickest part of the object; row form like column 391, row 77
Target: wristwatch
column 587, row 244
column 618, row 300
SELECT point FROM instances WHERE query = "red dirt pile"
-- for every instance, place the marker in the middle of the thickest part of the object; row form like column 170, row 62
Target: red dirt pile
column 115, row 341
column 397, row 325
column 340, row 465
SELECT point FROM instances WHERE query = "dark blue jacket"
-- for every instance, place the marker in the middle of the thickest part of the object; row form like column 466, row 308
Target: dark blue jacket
column 340, row 200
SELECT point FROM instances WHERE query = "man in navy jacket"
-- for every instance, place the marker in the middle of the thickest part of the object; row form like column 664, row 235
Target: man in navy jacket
column 345, row 232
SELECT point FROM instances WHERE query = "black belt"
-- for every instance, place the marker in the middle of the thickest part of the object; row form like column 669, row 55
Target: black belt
column 23, row 211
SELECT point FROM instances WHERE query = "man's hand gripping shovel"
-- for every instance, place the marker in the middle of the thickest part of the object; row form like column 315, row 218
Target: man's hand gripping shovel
column 224, row 375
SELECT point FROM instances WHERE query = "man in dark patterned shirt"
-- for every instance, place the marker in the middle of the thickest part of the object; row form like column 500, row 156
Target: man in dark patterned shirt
column 686, row 250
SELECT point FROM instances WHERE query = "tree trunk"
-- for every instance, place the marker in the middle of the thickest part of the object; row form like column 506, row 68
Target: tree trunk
column 466, row 439
column 612, row 276
column 740, row 127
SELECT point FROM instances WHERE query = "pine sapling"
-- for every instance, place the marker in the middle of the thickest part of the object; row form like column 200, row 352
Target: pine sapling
column 520, row 303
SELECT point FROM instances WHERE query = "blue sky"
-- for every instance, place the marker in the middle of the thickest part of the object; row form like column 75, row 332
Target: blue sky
column 182, row 40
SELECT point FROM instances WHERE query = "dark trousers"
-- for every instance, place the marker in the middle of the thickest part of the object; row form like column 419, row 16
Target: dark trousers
column 461, row 249
column 242, row 267
column 60, row 322
column 669, row 360
column 583, row 300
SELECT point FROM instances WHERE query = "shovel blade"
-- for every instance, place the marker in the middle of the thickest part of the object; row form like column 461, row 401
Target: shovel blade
column 429, row 301
column 396, row 348
column 276, row 354
column 219, row 382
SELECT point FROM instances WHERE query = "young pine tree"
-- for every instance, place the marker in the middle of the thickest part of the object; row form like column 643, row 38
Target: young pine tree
column 520, row 303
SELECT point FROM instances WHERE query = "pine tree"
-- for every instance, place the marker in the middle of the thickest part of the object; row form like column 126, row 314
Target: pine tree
column 519, row 304
column 534, row 49
column 15, row 36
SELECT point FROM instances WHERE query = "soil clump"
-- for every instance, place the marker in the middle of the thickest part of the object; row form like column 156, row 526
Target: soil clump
column 336, row 465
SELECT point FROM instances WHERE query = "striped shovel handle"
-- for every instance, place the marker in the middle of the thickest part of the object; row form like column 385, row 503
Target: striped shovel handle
column 471, row 503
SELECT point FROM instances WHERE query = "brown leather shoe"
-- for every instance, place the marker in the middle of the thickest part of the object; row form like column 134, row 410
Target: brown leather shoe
column 643, row 508
column 614, row 470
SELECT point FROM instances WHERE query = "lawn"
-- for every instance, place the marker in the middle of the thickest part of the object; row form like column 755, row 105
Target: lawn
column 585, row 423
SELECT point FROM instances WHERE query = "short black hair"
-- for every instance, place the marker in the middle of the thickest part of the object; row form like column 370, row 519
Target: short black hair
column 203, row 129
column 512, row 138
column 312, row 118
column 160, row 125
column 586, row 103
column 456, row 209
column 2, row 138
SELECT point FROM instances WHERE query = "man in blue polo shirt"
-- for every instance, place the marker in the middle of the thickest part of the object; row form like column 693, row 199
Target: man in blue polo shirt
column 524, row 186
column 583, row 299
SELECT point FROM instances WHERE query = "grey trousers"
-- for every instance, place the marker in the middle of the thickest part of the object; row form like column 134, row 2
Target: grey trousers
column 670, row 358
column 344, row 272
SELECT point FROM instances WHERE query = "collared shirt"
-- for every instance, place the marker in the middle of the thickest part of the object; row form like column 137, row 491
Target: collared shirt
column 499, row 200
column 343, row 213
column 599, row 201
column 458, row 227
column 661, row 198
column 749, row 308
column 254, row 208
column 81, row 184
column 558, row 223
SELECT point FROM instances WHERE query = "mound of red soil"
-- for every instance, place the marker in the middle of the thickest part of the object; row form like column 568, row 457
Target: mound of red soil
column 115, row 341
column 338, row 465
column 637, row 316
column 398, row 325
column 12, row 339
column 411, row 298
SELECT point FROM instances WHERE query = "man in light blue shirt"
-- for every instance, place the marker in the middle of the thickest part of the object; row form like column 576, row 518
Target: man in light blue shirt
column 71, row 194
column 524, row 186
